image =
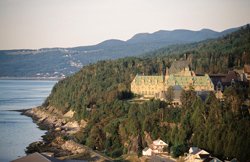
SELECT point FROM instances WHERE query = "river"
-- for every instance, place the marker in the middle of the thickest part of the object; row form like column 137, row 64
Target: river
column 18, row 131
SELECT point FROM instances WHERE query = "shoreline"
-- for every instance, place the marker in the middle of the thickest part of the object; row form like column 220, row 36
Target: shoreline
column 59, row 137
column 47, row 139
column 20, row 110
column 32, row 78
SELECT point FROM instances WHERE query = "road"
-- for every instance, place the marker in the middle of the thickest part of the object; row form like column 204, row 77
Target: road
column 157, row 158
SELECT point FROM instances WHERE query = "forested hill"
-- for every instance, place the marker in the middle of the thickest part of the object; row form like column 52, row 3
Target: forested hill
column 213, row 56
column 57, row 62
column 99, row 93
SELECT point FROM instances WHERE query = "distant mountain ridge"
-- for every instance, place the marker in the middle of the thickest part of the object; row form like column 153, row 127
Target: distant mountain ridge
column 60, row 62
column 167, row 36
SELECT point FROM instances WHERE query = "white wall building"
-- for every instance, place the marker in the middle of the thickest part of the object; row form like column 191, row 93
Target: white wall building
column 156, row 147
column 147, row 151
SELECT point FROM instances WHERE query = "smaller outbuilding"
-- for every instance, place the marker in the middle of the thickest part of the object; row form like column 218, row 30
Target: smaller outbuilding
column 196, row 154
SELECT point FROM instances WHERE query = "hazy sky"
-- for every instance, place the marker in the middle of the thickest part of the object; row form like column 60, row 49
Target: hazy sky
column 69, row 23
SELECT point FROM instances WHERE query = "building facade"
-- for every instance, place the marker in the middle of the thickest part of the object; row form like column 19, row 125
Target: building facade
column 157, row 147
column 179, row 75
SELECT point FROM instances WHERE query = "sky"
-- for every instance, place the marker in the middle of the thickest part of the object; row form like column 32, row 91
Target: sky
column 33, row 24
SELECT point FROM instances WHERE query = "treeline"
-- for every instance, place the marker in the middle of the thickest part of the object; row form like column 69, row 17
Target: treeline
column 100, row 83
column 99, row 93
column 219, row 127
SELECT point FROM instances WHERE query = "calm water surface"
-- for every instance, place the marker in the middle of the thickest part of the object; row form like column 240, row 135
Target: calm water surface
column 18, row 131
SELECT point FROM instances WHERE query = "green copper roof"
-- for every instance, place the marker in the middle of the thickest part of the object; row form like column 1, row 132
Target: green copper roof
column 173, row 80
column 139, row 79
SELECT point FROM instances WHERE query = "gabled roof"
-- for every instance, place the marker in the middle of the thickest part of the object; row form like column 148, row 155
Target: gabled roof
column 159, row 142
column 36, row 157
column 189, row 80
column 148, row 80
column 146, row 149
column 193, row 149
column 199, row 151
column 202, row 154
column 196, row 151
column 177, row 66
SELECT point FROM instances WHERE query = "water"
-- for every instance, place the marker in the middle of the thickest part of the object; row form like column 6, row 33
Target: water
column 18, row 131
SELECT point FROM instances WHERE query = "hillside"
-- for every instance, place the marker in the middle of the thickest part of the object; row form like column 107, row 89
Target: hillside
column 57, row 62
column 213, row 56
column 100, row 93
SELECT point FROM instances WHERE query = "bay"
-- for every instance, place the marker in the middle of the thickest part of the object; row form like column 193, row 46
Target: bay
column 18, row 131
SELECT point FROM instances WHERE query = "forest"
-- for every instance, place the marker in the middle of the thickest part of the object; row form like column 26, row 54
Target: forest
column 100, row 94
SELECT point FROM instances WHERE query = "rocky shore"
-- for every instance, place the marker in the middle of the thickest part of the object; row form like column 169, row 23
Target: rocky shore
column 59, row 139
